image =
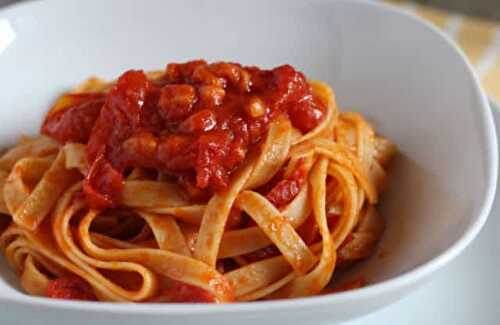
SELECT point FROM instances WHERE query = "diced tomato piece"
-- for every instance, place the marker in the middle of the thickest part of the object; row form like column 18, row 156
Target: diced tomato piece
column 309, row 231
column 350, row 285
column 182, row 72
column 102, row 184
column 211, row 149
column 183, row 292
column 287, row 189
column 176, row 102
column 70, row 288
column 235, row 219
column 305, row 116
column 202, row 121
column 75, row 120
column 333, row 220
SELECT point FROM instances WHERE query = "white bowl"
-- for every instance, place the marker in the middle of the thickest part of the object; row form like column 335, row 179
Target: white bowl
column 412, row 82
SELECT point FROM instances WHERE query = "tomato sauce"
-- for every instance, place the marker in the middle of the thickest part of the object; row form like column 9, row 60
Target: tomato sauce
column 287, row 189
column 70, row 287
column 197, row 122
column 77, row 113
column 350, row 285
column 181, row 292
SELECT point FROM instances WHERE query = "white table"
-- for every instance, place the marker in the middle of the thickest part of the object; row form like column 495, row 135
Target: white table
column 467, row 291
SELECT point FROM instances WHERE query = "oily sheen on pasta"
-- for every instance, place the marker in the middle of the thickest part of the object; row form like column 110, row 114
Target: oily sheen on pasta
column 200, row 183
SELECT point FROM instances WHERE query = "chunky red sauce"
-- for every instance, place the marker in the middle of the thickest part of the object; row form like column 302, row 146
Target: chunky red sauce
column 284, row 191
column 197, row 123
column 236, row 219
column 350, row 285
column 74, row 118
column 70, row 288
column 183, row 292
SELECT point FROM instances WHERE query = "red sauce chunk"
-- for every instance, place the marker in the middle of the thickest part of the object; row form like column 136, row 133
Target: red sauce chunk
column 70, row 288
column 287, row 189
column 74, row 117
column 183, row 292
column 350, row 285
column 198, row 122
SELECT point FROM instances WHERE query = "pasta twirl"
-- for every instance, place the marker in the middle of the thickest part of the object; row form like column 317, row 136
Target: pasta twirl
column 202, row 183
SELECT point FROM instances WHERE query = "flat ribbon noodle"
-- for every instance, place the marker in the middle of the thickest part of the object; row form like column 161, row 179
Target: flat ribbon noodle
column 313, row 282
column 342, row 156
column 32, row 280
column 166, row 263
column 64, row 239
column 278, row 229
column 40, row 243
column 258, row 275
column 268, row 290
column 247, row 240
column 24, row 176
column 167, row 233
column 76, row 157
column 40, row 147
column 365, row 149
column 274, row 153
column 190, row 214
column 351, row 207
column 147, row 194
column 38, row 204
column 3, row 204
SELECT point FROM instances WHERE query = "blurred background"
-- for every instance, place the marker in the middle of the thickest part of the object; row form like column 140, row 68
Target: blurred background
column 489, row 9
column 474, row 25
column 481, row 8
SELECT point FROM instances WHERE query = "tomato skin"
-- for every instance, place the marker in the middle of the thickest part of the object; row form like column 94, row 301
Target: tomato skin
column 236, row 219
column 305, row 116
column 102, row 184
column 74, row 121
column 181, row 292
column 309, row 231
column 350, row 285
column 287, row 189
column 72, row 287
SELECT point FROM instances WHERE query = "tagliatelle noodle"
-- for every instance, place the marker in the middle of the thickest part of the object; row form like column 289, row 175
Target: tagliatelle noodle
column 157, row 239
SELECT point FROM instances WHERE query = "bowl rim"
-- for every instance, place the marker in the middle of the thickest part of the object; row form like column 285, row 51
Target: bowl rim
column 401, row 281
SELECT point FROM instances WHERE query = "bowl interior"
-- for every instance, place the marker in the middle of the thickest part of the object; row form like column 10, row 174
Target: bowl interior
column 410, row 83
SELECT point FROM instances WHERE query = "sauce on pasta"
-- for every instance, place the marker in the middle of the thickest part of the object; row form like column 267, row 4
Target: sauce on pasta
column 209, row 183
column 197, row 122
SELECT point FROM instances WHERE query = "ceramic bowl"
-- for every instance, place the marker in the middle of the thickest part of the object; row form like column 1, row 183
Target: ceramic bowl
column 405, row 76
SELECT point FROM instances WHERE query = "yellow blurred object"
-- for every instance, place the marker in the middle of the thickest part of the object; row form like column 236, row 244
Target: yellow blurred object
column 478, row 38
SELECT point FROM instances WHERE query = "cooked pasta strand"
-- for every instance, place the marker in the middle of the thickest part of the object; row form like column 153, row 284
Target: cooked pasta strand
column 173, row 207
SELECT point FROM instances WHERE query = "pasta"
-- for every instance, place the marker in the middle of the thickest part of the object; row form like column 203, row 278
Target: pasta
column 201, row 183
